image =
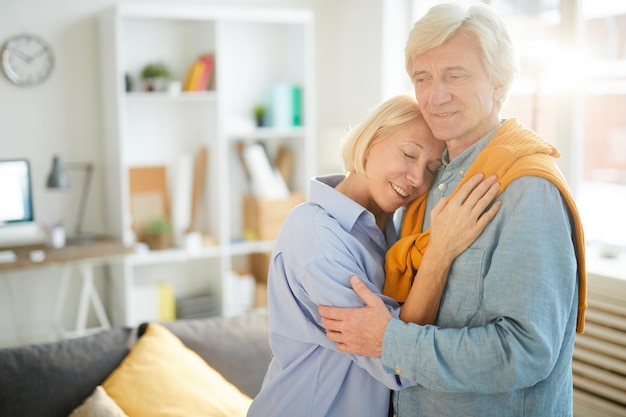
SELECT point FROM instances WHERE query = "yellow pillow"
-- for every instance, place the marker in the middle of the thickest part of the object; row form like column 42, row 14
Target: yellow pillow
column 162, row 377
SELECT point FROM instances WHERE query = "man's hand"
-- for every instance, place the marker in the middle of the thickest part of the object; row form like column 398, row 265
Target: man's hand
column 357, row 330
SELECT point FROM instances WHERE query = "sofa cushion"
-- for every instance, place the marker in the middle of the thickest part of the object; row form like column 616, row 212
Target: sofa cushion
column 161, row 374
column 98, row 404
column 52, row 379
column 237, row 347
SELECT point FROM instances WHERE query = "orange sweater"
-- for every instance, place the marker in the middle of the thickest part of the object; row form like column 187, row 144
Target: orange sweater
column 513, row 152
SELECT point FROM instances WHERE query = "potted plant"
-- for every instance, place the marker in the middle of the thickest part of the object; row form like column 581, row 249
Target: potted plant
column 259, row 114
column 155, row 76
column 157, row 233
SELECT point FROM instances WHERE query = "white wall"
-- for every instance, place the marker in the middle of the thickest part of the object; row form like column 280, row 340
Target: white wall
column 62, row 115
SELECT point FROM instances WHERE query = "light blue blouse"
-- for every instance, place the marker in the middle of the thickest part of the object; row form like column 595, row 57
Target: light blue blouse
column 505, row 331
column 321, row 244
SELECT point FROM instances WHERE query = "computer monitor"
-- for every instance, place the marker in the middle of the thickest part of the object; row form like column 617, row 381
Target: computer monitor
column 17, row 217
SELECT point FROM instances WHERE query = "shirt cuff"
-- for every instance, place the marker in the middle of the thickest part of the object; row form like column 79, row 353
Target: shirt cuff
column 393, row 352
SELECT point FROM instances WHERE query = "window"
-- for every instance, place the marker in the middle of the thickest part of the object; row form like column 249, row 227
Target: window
column 572, row 91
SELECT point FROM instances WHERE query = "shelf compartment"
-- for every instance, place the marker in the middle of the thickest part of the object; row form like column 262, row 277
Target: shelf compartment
column 174, row 255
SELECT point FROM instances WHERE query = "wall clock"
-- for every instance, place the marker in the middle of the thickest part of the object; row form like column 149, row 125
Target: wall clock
column 27, row 59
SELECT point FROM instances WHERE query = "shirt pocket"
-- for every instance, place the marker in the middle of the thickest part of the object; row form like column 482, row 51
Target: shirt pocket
column 463, row 293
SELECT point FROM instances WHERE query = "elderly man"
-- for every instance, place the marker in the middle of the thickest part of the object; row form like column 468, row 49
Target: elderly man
column 504, row 336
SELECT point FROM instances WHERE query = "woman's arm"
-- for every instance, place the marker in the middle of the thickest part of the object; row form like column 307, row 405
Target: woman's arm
column 455, row 223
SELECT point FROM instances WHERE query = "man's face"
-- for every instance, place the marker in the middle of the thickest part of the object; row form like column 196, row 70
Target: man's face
column 454, row 91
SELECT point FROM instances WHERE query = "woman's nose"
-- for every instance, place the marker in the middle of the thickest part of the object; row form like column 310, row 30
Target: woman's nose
column 415, row 176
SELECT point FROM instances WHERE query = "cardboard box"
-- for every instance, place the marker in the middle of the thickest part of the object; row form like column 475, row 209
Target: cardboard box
column 260, row 265
column 260, row 295
column 262, row 219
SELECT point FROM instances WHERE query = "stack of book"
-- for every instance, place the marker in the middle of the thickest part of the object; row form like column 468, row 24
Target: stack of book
column 198, row 306
column 154, row 302
column 264, row 179
column 285, row 106
column 199, row 74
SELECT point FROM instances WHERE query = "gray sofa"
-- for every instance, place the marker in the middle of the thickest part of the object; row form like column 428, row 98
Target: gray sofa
column 50, row 380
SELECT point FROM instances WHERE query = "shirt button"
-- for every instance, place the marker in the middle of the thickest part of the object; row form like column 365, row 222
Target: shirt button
column 461, row 171
column 442, row 186
column 398, row 371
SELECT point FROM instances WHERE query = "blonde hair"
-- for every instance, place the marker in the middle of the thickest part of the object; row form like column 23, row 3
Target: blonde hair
column 478, row 22
column 392, row 114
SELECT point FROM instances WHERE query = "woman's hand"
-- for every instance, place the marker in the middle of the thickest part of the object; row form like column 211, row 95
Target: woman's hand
column 456, row 222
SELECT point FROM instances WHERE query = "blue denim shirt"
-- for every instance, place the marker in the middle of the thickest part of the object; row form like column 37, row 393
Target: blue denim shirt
column 321, row 244
column 505, row 332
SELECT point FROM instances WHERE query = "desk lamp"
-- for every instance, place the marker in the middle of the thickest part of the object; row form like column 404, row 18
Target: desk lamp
column 58, row 179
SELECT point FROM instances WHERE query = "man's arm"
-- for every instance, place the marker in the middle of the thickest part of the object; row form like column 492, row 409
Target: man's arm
column 526, row 315
column 357, row 330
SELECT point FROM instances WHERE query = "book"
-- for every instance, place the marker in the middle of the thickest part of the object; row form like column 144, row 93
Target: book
column 285, row 105
column 167, row 302
column 193, row 76
column 265, row 180
column 199, row 74
column 207, row 72
column 296, row 102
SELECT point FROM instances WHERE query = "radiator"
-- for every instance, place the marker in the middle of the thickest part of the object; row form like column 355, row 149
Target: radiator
column 599, row 363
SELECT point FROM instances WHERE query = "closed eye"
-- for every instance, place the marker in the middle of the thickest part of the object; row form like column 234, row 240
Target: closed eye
column 457, row 76
column 420, row 78
column 432, row 168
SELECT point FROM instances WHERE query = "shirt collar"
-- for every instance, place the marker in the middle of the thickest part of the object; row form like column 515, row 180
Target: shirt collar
column 468, row 155
column 345, row 210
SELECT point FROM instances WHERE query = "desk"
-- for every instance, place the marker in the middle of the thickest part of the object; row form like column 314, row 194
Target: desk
column 84, row 256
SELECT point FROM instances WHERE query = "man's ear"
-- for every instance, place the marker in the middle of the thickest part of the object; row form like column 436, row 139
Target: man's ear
column 498, row 95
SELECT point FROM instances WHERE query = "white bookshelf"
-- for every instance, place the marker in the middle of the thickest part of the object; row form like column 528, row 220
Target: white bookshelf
column 253, row 49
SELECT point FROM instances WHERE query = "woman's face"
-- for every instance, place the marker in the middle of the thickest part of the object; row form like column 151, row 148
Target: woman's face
column 401, row 167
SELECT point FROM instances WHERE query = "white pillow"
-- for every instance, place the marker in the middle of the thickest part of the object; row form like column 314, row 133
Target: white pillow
column 98, row 404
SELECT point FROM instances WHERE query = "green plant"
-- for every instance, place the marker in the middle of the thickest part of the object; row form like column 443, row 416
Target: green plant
column 158, row 227
column 259, row 110
column 259, row 114
column 155, row 70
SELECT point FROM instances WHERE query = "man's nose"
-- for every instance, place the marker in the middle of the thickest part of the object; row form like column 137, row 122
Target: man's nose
column 439, row 93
